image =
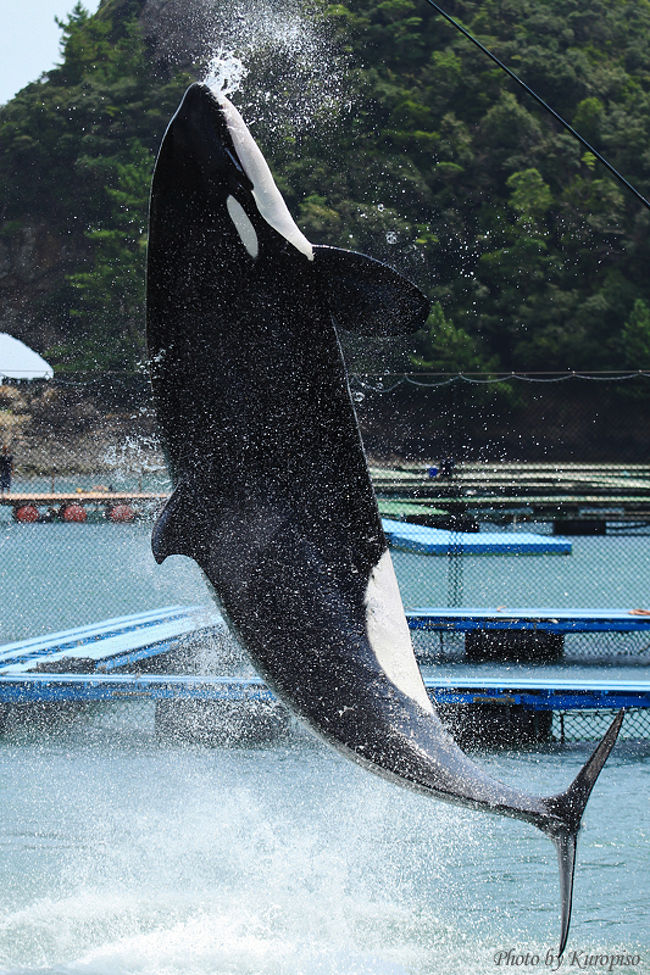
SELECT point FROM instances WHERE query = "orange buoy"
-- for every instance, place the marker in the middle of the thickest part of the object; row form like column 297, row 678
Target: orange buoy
column 121, row 512
column 26, row 513
column 73, row 512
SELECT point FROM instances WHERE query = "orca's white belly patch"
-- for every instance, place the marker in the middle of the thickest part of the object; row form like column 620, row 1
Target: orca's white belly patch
column 388, row 632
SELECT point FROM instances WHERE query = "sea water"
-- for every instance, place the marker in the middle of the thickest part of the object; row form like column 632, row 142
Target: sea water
column 122, row 853
column 140, row 857
column 62, row 575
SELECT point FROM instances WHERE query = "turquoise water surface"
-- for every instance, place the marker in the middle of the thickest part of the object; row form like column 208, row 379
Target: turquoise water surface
column 61, row 575
column 124, row 853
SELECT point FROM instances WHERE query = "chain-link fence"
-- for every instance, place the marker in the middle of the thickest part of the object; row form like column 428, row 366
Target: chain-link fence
column 259, row 723
column 526, row 492
column 615, row 646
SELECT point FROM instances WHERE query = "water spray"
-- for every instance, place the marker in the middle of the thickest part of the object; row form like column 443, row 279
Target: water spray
column 225, row 72
column 280, row 64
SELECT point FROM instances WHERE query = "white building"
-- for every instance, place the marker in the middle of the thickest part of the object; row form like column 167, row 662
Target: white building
column 18, row 361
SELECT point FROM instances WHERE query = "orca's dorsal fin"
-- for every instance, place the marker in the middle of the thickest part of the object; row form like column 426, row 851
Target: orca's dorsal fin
column 367, row 296
column 177, row 530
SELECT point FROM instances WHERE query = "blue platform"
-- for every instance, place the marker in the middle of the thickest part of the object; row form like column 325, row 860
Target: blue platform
column 533, row 694
column 545, row 620
column 439, row 541
column 111, row 644
column 101, row 650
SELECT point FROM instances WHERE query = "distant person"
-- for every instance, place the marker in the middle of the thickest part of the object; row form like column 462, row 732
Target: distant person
column 447, row 467
column 6, row 470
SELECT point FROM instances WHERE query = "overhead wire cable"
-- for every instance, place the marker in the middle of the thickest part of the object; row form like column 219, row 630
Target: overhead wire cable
column 511, row 74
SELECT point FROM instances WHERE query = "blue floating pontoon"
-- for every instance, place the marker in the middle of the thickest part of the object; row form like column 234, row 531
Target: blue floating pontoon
column 440, row 541
column 544, row 620
column 533, row 694
column 111, row 644
column 26, row 678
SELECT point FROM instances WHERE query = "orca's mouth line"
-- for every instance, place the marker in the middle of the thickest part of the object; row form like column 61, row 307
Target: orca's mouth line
column 238, row 166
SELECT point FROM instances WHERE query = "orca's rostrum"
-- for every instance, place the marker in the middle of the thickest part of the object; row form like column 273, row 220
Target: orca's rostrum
column 272, row 495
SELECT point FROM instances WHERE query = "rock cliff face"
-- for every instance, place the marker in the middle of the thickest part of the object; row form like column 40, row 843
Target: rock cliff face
column 33, row 264
column 65, row 429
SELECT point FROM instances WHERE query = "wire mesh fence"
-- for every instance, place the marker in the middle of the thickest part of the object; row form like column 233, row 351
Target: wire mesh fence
column 591, row 725
column 623, row 648
column 514, row 465
column 499, row 492
column 257, row 725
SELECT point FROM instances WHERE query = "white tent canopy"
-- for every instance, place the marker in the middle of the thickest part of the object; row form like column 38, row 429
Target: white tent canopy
column 18, row 361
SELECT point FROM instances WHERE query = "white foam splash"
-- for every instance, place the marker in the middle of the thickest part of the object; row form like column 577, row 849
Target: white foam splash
column 225, row 72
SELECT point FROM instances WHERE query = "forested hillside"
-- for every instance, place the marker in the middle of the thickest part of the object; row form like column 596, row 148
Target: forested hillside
column 76, row 159
column 536, row 259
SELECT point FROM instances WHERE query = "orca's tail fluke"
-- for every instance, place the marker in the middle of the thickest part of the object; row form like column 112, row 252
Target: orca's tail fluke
column 566, row 844
column 565, row 815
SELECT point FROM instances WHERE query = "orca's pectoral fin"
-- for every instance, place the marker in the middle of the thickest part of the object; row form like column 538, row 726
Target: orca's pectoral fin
column 367, row 296
column 566, row 812
column 177, row 530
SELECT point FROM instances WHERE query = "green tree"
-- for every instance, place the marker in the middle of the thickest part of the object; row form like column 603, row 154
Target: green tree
column 443, row 347
column 635, row 336
column 78, row 149
column 442, row 168
column 530, row 196
column 109, row 305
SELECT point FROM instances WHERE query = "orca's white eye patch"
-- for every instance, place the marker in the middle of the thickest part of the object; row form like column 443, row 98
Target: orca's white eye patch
column 243, row 226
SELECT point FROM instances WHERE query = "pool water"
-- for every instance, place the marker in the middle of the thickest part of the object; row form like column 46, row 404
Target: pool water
column 121, row 852
column 57, row 575
column 124, row 854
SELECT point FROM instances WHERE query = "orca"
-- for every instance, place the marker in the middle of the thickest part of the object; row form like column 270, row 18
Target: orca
column 272, row 496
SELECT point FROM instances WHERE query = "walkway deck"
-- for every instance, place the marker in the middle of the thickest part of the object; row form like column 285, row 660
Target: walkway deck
column 439, row 541
column 111, row 644
column 552, row 490
column 525, row 479
column 532, row 694
column 54, row 498
column 545, row 620
column 82, row 666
